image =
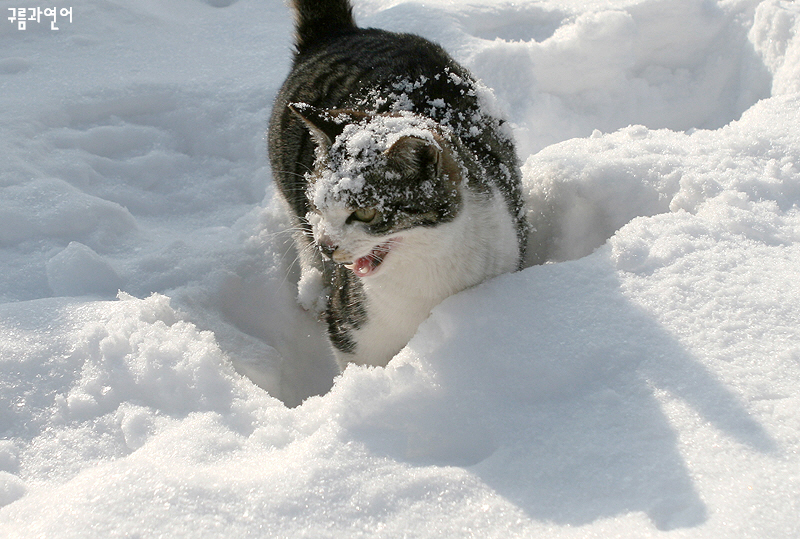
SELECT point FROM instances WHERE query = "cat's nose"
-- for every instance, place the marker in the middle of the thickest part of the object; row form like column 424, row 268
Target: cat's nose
column 331, row 249
column 326, row 245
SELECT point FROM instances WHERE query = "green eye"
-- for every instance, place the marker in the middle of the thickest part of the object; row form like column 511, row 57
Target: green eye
column 364, row 215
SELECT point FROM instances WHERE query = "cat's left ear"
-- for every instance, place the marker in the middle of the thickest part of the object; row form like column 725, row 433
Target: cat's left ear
column 416, row 153
column 326, row 124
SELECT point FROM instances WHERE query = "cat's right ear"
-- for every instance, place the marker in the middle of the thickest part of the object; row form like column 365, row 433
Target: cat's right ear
column 319, row 123
column 323, row 124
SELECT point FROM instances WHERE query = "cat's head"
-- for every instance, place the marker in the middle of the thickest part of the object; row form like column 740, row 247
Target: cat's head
column 378, row 180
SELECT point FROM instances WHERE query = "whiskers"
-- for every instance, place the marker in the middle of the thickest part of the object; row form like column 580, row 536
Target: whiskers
column 303, row 176
column 303, row 251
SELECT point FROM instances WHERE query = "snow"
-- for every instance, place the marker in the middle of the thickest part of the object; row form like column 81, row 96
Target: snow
column 158, row 378
column 361, row 148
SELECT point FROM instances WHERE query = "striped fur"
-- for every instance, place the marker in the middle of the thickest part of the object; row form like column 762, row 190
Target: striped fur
column 319, row 21
column 340, row 66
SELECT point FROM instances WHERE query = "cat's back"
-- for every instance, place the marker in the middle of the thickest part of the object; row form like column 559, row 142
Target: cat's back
column 351, row 68
column 374, row 51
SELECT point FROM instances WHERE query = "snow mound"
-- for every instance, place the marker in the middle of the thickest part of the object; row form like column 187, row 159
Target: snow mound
column 642, row 382
column 581, row 191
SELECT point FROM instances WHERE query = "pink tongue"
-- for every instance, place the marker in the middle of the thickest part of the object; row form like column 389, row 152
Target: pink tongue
column 363, row 266
column 367, row 265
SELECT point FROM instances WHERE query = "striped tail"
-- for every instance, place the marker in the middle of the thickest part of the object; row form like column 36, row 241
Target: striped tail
column 318, row 21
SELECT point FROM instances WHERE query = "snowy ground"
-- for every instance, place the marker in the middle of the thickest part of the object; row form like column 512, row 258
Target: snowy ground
column 646, row 383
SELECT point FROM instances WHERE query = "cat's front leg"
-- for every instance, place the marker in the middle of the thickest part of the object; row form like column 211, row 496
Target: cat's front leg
column 312, row 290
column 312, row 294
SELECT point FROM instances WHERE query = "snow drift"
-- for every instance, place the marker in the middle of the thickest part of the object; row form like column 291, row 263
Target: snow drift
column 157, row 376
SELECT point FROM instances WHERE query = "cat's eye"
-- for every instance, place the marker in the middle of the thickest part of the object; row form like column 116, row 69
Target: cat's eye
column 364, row 215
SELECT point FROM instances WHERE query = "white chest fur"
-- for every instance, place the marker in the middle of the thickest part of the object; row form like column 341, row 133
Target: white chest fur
column 429, row 265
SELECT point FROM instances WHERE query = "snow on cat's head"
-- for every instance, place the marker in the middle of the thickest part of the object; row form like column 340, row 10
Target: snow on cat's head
column 363, row 159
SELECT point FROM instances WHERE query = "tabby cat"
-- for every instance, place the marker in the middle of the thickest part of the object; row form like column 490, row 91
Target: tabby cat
column 402, row 182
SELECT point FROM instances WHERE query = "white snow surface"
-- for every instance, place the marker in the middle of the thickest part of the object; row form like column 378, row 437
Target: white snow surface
column 644, row 383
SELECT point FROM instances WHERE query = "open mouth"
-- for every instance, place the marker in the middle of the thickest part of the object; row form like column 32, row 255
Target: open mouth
column 369, row 264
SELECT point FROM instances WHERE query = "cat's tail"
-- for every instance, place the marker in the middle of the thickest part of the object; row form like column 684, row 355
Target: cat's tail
column 318, row 21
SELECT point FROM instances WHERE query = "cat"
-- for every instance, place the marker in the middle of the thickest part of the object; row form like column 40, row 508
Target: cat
column 401, row 179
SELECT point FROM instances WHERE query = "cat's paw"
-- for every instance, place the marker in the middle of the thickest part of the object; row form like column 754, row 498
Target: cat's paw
column 311, row 291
